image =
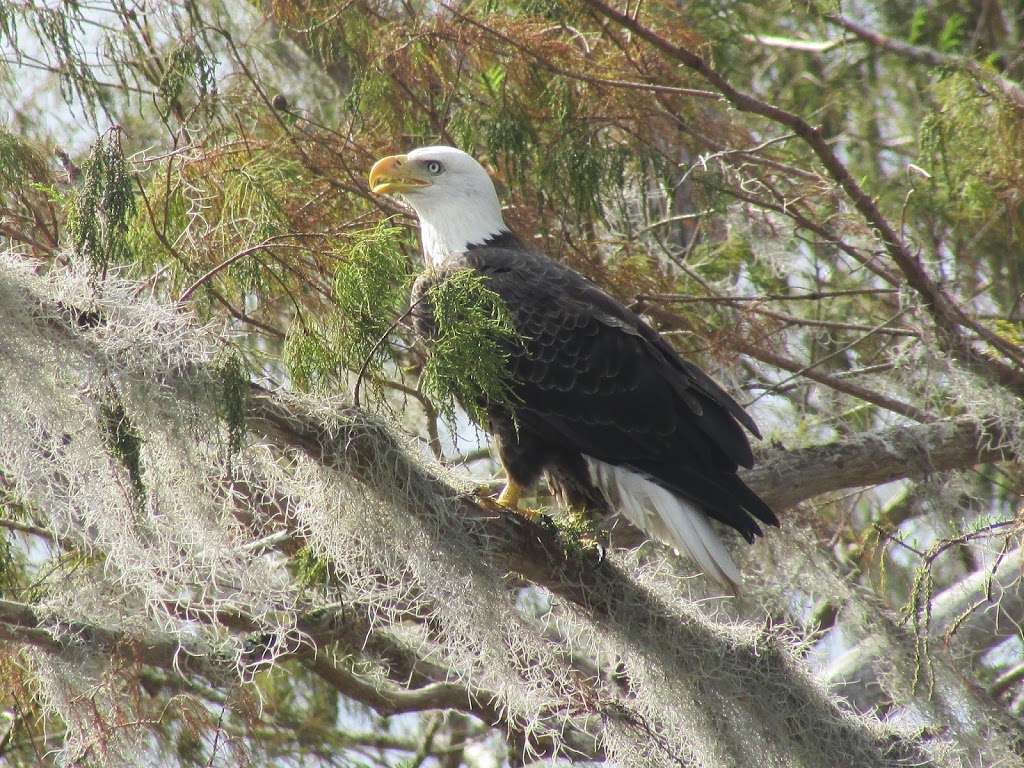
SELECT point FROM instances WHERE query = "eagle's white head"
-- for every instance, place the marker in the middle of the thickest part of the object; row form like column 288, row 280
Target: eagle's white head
column 451, row 193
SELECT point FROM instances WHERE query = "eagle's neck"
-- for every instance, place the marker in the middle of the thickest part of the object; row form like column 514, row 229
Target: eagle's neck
column 448, row 230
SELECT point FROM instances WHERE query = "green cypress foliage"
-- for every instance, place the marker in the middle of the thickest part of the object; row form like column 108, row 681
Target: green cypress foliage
column 311, row 568
column 468, row 360
column 186, row 64
column 970, row 144
column 22, row 164
column 234, row 386
column 123, row 442
column 370, row 289
column 104, row 206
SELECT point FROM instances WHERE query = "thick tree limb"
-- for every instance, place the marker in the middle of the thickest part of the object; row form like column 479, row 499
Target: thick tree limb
column 785, row 478
column 16, row 525
column 356, row 445
column 22, row 624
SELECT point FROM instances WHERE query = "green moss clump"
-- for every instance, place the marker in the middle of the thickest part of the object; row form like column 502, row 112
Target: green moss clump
column 310, row 568
column 579, row 533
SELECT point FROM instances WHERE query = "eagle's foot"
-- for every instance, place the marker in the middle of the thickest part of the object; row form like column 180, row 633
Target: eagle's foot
column 510, row 495
column 508, row 501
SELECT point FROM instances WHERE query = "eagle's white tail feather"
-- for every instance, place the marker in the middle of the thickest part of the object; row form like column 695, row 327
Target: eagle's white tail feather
column 664, row 515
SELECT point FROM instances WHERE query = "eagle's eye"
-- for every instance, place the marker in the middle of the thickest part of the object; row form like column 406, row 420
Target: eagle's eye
column 434, row 167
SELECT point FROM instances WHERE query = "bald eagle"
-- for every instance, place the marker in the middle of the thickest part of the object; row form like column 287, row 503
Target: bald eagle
column 613, row 415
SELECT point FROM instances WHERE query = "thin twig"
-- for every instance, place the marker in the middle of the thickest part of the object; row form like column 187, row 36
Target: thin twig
column 680, row 298
column 211, row 273
column 793, row 320
column 376, row 346
column 1007, row 680
column 837, row 352
column 930, row 57
column 834, row 382
column 35, row 530
column 546, row 63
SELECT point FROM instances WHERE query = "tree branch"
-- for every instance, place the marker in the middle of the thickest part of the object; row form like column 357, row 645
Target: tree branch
column 967, row 618
column 357, row 445
column 988, row 604
column 21, row 623
column 391, row 699
column 833, row 382
column 740, row 344
column 357, row 441
column 947, row 314
column 35, row 530
column 785, row 478
column 930, row 57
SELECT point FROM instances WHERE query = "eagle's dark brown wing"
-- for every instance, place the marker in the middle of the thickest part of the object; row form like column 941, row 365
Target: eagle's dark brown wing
column 591, row 375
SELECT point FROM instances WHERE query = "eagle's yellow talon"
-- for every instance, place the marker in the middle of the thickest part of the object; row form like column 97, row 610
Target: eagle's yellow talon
column 510, row 495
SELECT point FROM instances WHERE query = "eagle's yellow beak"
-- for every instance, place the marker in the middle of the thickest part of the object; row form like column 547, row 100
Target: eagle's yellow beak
column 396, row 174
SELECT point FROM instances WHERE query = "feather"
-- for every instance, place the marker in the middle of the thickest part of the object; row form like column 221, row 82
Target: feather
column 666, row 516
